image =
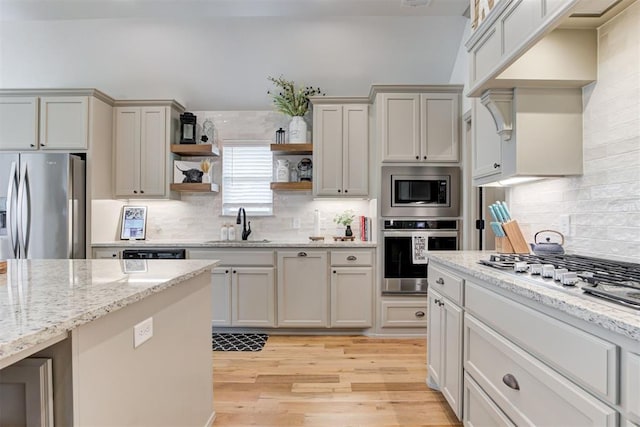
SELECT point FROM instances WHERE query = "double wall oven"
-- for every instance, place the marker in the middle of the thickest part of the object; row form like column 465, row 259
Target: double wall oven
column 418, row 201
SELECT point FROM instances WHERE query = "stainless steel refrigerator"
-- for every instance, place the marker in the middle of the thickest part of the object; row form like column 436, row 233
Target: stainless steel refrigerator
column 42, row 206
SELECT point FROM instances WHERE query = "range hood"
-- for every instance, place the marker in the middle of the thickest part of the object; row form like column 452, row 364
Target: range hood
column 540, row 130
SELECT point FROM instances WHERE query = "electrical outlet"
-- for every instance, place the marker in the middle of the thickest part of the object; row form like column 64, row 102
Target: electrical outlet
column 142, row 332
column 296, row 222
column 565, row 224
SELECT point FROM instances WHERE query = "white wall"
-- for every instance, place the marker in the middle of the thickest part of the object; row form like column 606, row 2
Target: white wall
column 603, row 203
column 460, row 71
column 197, row 217
column 223, row 63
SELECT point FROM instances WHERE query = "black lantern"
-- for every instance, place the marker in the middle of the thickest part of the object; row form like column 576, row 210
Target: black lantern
column 187, row 128
column 280, row 136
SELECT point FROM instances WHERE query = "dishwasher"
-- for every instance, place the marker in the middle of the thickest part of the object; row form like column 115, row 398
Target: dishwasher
column 154, row 254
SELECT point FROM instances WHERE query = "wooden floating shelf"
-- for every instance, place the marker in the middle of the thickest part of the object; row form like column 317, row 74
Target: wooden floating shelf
column 196, row 187
column 195, row 149
column 296, row 186
column 292, row 148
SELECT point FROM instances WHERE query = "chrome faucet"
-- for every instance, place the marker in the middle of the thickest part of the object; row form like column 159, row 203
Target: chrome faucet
column 245, row 230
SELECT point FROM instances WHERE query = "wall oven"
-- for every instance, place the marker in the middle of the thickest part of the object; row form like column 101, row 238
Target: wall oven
column 422, row 191
column 400, row 274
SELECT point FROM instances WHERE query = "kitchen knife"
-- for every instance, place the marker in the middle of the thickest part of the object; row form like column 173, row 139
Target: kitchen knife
column 496, row 210
column 506, row 210
column 493, row 213
column 502, row 212
column 497, row 229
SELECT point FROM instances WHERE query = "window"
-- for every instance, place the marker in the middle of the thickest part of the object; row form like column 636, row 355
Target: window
column 247, row 170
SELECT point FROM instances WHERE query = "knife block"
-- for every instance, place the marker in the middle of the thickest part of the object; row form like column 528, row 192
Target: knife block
column 503, row 246
column 516, row 239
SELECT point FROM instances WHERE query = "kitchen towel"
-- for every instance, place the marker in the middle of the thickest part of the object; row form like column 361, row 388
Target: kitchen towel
column 419, row 247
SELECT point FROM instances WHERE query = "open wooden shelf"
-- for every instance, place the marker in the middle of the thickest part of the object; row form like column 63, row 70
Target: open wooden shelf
column 196, row 187
column 292, row 148
column 294, row 186
column 195, row 149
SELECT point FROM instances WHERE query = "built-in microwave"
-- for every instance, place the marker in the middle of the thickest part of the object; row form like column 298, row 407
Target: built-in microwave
column 420, row 191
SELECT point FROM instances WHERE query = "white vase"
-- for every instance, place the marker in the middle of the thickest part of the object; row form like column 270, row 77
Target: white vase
column 297, row 130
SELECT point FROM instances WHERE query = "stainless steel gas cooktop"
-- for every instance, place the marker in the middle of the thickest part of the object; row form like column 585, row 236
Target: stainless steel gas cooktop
column 613, row 280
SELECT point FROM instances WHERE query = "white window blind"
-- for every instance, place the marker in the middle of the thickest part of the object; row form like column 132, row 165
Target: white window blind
column 247, row 171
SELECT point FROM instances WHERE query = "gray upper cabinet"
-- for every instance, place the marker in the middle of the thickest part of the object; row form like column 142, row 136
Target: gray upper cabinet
column 419, row 126
column 341, row 148
column 18, row 123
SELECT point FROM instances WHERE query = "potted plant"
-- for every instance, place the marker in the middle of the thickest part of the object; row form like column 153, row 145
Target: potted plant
column 345, row 218
column 293, row 102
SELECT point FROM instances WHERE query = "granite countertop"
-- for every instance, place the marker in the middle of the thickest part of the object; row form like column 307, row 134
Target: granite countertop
column 616, row 318
column 327, row 243
column 41, row 299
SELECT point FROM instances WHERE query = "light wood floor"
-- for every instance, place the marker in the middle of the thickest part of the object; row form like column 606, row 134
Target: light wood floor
column 326, row 381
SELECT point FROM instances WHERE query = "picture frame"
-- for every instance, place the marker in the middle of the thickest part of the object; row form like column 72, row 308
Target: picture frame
column 134, row 223
column 134, row 266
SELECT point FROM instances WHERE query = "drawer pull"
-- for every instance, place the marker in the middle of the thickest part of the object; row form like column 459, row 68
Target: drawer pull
column 419, row 313
column 511, row 382
column 302, row 254
column 440, row 281
column 351, row 258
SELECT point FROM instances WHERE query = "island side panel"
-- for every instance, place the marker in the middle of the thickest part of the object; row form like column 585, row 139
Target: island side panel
column 167, row 380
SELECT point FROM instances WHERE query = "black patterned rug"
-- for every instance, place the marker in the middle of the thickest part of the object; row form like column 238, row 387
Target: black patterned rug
column 238, row 342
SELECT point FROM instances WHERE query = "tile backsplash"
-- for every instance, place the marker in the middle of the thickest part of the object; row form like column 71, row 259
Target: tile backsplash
column 198, row 217
column 603, row 205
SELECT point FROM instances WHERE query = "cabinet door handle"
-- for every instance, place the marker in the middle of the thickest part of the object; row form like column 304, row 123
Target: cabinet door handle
column 114, row 255
column 234, row 272
column 436, row 301
column 440, row 281
column 496, row 165
column 135, row 192
column 339, row 191
column 441, row 303
column 417, row 157
column 226, row 272
column 351, row 258
column 334, row 272
column 511, row 382
column 302, row 254
column 346, row 191
column 425, row 157
column 419, row 313
column 32, row 145
column 141, row 191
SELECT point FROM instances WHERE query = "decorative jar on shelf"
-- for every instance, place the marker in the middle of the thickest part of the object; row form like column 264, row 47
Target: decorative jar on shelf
column 297, row 130
column 282, row 170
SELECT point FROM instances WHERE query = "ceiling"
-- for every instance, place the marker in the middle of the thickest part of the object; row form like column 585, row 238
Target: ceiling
column 37, row 10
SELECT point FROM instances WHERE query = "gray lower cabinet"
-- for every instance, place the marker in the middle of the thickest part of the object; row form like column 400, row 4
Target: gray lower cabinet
column 302, row 289
column 522, row 365
column 444, row 349
column 351, row 297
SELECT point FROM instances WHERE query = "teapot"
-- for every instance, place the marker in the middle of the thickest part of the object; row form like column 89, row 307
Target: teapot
column 547, row 248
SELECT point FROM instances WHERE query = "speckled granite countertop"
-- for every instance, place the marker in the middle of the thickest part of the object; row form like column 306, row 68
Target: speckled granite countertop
column 40, row 299
column 615, row 318
column 232, row 244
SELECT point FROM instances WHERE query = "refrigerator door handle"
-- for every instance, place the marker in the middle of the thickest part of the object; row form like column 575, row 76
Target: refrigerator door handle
column 23, row 236
column 12, row 210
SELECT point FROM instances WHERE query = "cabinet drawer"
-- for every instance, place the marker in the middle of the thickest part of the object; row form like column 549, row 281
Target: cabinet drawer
column 529, row 392
column 555, row 342
column 106, row 253
column 235, row 257
column 479, row 409
column 340, row 258
column 445, row 283
column 404, row 314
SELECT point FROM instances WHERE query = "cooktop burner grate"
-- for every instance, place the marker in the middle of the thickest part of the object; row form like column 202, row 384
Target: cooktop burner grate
column 614, row 280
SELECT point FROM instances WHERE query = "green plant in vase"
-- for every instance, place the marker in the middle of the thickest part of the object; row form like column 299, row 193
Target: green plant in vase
column 293, row 101
column 346, row 219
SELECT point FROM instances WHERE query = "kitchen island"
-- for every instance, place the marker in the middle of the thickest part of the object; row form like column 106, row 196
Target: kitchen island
column 506, row 348
column 82, row 313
